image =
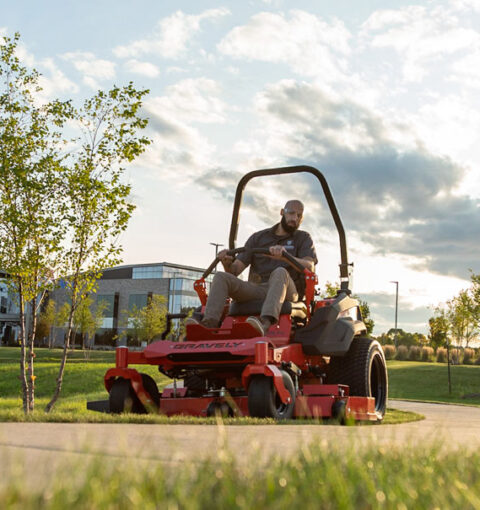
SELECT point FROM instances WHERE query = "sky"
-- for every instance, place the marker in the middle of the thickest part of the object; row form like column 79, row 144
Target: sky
column 381, row 96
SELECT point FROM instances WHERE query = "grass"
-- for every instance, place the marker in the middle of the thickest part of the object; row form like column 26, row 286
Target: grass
column 412, row 380
column 84, row 381
column 320, row 476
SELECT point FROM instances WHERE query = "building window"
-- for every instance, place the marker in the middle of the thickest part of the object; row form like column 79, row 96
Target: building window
column 137, row 301
column 146, row 272
column 109, row 300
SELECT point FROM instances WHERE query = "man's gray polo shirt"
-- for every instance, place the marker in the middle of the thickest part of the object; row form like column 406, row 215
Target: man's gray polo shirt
column 299, row 244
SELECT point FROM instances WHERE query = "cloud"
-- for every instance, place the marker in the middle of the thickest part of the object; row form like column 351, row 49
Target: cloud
column 178, row 148
column 303, row 41
column 398, row 198
column 55, row 82
column 90, row 66
column 172, row 35
column 419, row 35
column 144, row 68
column 191, row 100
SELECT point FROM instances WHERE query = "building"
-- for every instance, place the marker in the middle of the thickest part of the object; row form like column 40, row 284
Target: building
column 9, row 314
column 124, row 287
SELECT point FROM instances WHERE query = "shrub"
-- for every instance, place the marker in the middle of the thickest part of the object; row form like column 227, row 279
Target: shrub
column 402, row 353
column 455, row 355
column 427, row 354
column 468, row 356
column 414, row 353
column 441, row 355
column 389, row 351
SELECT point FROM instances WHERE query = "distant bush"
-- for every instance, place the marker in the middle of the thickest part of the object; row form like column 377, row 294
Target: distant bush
column 441, row 355
column 402, row 353
column 427, row 354
column 468, row 356
column 389, row 351
column 455, row 356
column 415, row 353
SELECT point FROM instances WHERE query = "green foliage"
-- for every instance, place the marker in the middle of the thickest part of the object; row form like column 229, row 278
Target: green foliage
column 148, row 322
column 61, row 211
column 30, row 169
column 320, row 475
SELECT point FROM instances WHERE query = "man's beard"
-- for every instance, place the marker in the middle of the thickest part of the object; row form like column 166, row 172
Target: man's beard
column 288, row 228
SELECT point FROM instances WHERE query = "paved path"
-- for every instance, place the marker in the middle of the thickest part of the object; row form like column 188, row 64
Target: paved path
column 49, row 444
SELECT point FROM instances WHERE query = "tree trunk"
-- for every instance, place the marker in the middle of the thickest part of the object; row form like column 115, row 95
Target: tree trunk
column 61, row 371
column 23, row 375
column 31, row 356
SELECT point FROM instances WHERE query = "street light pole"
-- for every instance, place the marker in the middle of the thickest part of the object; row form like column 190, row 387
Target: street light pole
column 396, row 313
column 216, row 252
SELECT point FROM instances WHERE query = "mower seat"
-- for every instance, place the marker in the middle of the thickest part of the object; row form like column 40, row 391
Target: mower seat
column 296, row 309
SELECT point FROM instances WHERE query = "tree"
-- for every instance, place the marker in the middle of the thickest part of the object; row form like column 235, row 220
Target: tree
column 30, row 232
column 461, row 316
column 150, row 321
column 87, row 318
column 46, row 320
column 96, row 206
column 331, row 290
column 438, row 328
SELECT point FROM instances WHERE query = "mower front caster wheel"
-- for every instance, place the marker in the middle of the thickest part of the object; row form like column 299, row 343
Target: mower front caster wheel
column 264, row 401
column 123, row 399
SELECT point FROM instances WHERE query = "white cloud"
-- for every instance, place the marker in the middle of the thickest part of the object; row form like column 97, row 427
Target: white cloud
column 91, row 66
column 172, row 35
column 305, row 42
column 191, row 100
column 144, row 68
column 55, row 82
column 419, row 35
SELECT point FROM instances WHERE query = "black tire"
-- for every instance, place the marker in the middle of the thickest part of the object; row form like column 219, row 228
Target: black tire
column 219, row 409
column 152, row 389
column 364, row 370
column 263, row 399
column 123, row 399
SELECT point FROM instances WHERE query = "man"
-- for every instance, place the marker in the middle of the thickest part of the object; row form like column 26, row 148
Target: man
column 271, row 278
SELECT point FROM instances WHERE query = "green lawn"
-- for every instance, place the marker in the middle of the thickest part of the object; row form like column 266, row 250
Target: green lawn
column 322, row 475
column 414, row 380
column 84, row 381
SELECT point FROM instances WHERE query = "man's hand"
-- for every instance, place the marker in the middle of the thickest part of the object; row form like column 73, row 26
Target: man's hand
column 229, row 264
column 225, row 259
column 276, row 252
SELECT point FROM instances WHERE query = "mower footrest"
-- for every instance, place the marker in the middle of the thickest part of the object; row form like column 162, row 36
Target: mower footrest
column 102, row 406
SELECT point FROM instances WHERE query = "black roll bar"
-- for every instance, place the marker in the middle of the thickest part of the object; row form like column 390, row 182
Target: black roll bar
column 344, row 266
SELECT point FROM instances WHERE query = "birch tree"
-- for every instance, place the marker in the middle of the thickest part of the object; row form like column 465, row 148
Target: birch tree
column 97, row 197
column 30, row 176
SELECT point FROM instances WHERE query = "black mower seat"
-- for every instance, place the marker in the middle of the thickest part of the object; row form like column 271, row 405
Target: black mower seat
column 297, row 309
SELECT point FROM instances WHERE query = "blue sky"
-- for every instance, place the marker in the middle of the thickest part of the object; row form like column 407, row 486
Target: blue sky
column 382, row 96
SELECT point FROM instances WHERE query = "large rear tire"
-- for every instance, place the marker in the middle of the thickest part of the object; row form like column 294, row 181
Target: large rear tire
column 263, row 399
column 364, row 370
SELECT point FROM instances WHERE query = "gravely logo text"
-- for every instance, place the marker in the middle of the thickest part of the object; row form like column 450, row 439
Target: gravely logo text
column 209, row 345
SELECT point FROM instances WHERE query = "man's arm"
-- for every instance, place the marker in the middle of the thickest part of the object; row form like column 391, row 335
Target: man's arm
column 234, row 267
column 277, row 253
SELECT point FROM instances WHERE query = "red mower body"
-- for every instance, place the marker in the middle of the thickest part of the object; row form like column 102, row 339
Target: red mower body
column 316, row 362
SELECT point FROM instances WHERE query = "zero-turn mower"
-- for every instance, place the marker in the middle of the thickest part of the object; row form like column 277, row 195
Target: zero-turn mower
column 316, row 362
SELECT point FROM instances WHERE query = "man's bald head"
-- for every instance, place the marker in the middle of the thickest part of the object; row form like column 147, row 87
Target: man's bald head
column 292, row 215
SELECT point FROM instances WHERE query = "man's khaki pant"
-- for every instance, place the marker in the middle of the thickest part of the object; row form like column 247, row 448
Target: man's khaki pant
column 280, row 287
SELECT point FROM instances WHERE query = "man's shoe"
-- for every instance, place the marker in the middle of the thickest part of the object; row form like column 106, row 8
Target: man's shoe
column 261, row 325
column 209, row 323
column 206, row 323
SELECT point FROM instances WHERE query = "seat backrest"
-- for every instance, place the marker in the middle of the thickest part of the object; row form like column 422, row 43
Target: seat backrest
column 254, row 307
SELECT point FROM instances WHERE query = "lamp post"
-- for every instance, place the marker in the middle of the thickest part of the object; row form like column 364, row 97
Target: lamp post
column 216, row 251
column 396, row 312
